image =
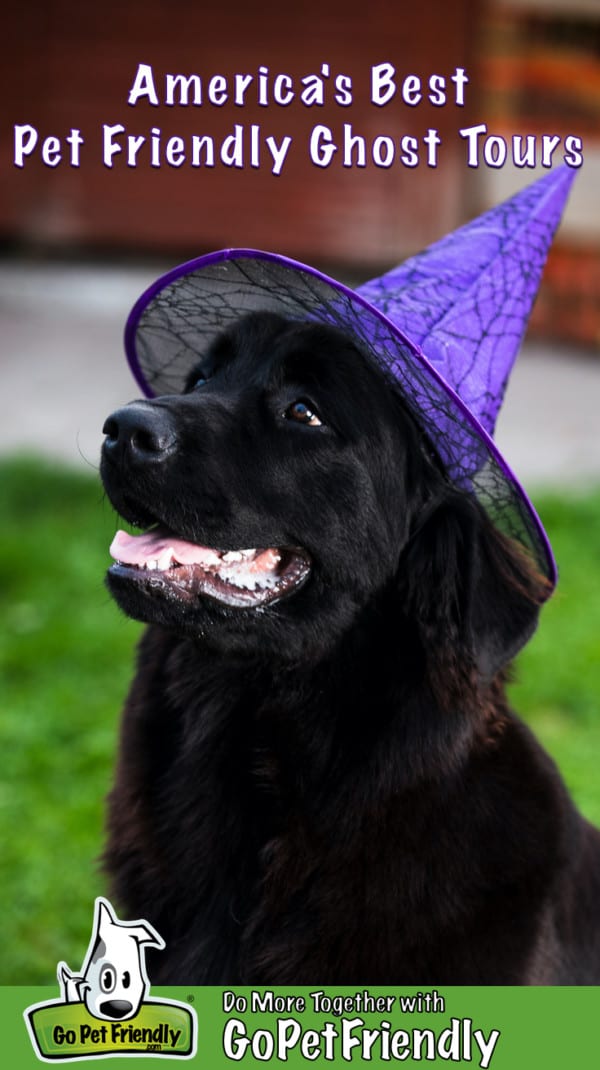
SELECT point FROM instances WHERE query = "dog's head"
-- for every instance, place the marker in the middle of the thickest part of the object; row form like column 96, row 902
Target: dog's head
column 287, row 489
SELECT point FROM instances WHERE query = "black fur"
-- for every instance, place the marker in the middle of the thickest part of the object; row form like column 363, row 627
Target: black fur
column 331, row 788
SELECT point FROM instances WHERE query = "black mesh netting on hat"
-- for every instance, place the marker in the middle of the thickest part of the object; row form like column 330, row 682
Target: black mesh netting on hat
column 182, row 318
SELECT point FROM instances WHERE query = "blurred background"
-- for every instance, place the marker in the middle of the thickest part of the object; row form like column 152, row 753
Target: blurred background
column 78, row 245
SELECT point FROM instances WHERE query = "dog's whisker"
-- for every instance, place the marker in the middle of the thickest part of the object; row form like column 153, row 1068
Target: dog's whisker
column 86, row 460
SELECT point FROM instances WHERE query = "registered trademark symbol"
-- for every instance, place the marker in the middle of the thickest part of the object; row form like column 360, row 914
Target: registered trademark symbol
column 191, row 998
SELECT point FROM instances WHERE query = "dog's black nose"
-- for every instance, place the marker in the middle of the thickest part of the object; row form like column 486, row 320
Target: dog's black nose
column 139, row 432
column 116, row 1008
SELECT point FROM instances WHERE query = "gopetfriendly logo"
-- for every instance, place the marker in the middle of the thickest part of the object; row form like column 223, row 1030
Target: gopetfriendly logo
column 105, row 1010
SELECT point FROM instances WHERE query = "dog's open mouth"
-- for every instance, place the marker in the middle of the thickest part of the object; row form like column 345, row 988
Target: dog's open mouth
column 242, row 578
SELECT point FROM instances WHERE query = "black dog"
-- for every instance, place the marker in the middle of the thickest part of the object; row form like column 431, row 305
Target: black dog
column 319, row 778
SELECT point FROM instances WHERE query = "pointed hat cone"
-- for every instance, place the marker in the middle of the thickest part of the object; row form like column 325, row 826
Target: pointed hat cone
column 465, row 301
column 444, row 327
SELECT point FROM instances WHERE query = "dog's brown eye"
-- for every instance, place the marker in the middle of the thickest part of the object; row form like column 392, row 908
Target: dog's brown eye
column 303, row 414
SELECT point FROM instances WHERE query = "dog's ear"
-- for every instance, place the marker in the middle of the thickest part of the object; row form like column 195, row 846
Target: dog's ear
column 467, row 588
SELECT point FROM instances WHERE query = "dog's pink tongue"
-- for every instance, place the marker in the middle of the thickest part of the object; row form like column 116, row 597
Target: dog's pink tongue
column 141, row 549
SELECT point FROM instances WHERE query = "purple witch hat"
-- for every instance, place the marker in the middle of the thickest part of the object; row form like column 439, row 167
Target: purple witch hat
column 445, row 327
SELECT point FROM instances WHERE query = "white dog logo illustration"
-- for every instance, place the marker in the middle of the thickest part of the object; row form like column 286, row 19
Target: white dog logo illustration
column 113, row 980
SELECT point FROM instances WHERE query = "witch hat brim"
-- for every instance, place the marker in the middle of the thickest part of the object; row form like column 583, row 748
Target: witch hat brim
column 177, row 318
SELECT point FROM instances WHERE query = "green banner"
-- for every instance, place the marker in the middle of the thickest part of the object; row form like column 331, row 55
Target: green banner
column 502, row 1028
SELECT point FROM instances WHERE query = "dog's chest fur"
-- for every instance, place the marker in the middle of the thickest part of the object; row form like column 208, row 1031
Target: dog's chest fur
column 242, row 810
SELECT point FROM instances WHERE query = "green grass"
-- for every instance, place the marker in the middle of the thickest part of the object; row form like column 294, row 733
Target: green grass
column 65, row 662
column 557, row 676
column 65, row 659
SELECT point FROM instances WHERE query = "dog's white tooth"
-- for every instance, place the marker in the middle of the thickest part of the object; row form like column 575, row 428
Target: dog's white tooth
column 232, row 555
column 164, row 561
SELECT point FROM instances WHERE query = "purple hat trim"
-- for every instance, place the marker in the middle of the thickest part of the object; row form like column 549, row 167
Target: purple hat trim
column 445, row 327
